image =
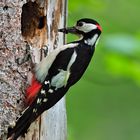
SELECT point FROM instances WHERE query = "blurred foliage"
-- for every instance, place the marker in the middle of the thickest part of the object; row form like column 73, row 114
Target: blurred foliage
column 105, row 104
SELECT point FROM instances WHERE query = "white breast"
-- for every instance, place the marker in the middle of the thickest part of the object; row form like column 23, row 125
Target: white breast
column 43, row 67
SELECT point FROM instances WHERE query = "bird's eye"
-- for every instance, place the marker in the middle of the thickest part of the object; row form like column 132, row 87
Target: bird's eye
column 80, row 24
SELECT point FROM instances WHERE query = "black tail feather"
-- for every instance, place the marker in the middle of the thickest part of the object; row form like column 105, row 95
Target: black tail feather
column 33, row 111
column 22, row 125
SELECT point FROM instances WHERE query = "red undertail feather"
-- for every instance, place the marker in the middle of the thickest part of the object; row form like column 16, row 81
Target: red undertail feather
column 32, row 90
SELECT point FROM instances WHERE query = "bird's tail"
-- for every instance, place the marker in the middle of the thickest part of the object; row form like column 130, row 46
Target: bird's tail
column 22, row 124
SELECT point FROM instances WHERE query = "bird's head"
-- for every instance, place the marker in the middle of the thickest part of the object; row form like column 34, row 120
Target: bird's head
column 88, row 29
column 83, row 27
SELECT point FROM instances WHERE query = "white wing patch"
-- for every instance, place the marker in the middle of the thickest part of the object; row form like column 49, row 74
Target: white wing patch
column 62, row 77
column 42, row 68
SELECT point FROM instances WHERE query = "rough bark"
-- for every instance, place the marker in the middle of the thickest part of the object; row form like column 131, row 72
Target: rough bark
column 24, row 25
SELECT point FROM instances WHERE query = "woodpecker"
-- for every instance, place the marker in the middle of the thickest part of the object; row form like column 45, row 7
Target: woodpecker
column 57, row 72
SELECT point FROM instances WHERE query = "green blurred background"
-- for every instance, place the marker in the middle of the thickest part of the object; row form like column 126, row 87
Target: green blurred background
column 105, row 104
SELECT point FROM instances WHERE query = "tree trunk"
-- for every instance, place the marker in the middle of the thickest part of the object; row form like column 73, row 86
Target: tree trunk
column 28, row 30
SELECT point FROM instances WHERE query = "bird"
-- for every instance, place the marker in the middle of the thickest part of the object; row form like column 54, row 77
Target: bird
column 57, row 72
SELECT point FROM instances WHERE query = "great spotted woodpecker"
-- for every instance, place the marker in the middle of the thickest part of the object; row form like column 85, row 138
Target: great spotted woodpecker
column 57, row 72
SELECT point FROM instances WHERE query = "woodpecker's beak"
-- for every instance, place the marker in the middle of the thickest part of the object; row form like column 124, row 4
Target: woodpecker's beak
column 67, row 30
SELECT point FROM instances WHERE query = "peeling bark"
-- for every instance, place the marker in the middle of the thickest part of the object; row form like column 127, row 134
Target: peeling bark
column 26, row 30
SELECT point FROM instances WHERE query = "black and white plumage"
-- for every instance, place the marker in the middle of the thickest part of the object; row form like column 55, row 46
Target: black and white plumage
column 58, row 72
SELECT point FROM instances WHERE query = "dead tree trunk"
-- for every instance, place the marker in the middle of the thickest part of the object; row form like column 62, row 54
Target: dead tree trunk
column 28, row 29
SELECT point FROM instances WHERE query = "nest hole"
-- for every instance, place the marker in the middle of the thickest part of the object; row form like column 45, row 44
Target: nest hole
column 32, row 18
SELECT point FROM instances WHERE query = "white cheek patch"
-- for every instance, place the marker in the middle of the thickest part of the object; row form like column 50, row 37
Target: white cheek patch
column 92, row 40
column 87, row 27
column 97, row 41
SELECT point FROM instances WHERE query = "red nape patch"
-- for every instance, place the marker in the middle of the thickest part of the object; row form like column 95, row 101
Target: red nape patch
column 99, row 27
column 32, row 90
